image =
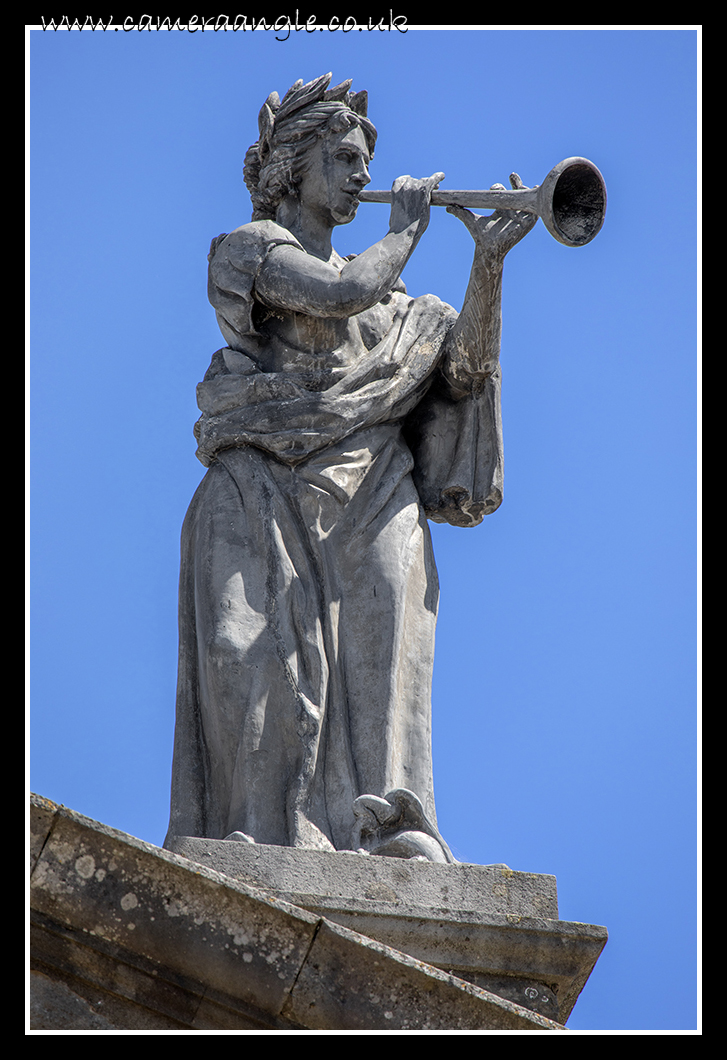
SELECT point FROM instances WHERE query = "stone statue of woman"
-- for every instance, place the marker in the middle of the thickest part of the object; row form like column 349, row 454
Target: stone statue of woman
column 340, row 416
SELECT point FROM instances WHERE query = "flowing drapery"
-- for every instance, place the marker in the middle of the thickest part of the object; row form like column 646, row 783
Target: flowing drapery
column 308, row 589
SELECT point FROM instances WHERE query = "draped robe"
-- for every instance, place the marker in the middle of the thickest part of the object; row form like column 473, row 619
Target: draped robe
column 308, row 588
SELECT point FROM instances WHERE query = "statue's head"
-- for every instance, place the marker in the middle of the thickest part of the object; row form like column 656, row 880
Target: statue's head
column 289, row 130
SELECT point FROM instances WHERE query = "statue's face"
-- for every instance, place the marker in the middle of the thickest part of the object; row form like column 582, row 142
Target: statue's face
column 335, row 171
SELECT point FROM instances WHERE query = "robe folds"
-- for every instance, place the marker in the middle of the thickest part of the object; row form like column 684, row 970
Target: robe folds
column 308, row 588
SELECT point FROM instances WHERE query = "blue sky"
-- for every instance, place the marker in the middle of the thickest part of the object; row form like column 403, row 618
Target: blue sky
column 566, row 721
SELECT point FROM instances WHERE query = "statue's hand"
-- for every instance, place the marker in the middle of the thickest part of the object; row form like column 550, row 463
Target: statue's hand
column 410, row 202
column 497, row 233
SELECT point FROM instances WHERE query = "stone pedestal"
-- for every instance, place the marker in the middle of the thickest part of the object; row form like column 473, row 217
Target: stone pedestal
column 486, row 924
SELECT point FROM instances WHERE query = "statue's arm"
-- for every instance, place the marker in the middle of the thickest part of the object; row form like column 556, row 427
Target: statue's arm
column 472, row 347
column 298, row 282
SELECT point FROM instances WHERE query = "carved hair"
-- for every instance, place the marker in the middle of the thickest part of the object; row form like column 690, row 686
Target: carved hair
column 289, row 128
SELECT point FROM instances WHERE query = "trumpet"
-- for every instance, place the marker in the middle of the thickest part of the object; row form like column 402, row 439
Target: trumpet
column 571, row 201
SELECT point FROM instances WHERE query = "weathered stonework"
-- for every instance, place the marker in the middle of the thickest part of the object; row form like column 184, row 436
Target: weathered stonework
column 125, row 935
column 487, row 924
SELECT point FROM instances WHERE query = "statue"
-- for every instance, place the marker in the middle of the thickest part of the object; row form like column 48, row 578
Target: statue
column 340, row 415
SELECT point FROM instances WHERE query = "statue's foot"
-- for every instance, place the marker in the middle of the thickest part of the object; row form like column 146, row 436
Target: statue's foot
column 239, row 837
column 397, row 827
column 411, row 845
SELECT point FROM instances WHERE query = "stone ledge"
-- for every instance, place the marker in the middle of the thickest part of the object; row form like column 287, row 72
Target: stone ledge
column 129, row 936
column 487, row 924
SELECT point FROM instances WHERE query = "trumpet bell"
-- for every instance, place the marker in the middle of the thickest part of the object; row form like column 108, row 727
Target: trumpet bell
column 572, row 201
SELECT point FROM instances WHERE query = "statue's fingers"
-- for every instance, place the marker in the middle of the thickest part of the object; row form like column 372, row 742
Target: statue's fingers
column 400, row 182
column 468, row 219
column 462, row 212
column 515, row 181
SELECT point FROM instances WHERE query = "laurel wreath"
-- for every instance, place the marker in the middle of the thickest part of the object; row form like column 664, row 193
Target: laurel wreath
column 319, row 101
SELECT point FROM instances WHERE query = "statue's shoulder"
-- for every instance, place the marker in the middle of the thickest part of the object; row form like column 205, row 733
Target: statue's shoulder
column 249, row 243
